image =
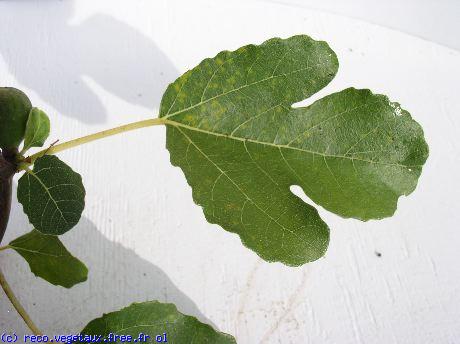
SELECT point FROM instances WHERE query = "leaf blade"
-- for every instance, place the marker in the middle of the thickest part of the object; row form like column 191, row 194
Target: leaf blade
column 155, row 318
column 238, row 148
column 52, row 195
column 49, row 259
column 37, row 129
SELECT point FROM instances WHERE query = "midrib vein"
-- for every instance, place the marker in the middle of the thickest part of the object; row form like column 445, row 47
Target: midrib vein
column 37, row 252
column 270, row 144
column 31, row 173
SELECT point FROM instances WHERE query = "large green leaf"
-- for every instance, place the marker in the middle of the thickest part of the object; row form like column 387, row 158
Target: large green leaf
column 37, row 129
column 52, row 195
column 155, row 319
column 234, row 133
column 49, row 259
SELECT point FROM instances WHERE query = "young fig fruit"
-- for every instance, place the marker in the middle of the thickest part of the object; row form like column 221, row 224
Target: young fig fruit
column 14, row 112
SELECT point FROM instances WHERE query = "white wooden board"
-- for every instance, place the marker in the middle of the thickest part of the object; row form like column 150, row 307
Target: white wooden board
column 94, row 65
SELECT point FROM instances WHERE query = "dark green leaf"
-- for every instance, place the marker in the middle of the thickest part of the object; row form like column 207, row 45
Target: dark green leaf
column 37, row 129
column 52, row 195
column 49, row 259
column 154, row 318
column 234, row 133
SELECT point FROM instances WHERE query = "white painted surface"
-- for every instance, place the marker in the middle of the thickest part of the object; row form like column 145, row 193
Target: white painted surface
column 434, row 20
column 94, row 65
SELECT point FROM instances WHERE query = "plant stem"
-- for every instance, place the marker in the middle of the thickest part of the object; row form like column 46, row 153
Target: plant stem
column 14, row 301
column 3, row 248
column 97, row 136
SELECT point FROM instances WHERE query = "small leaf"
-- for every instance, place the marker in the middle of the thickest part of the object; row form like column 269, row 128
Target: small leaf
column 49, row 259
column 232, row 129
column 156, row 319
column 52, row 195
column 37, row 129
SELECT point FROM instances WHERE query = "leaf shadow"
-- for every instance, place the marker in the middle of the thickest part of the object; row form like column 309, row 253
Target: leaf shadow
column 55, row 57
column 117, row 278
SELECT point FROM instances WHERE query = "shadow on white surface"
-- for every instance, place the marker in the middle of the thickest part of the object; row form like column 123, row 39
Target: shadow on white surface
column 51, row 56
column 117, row 277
